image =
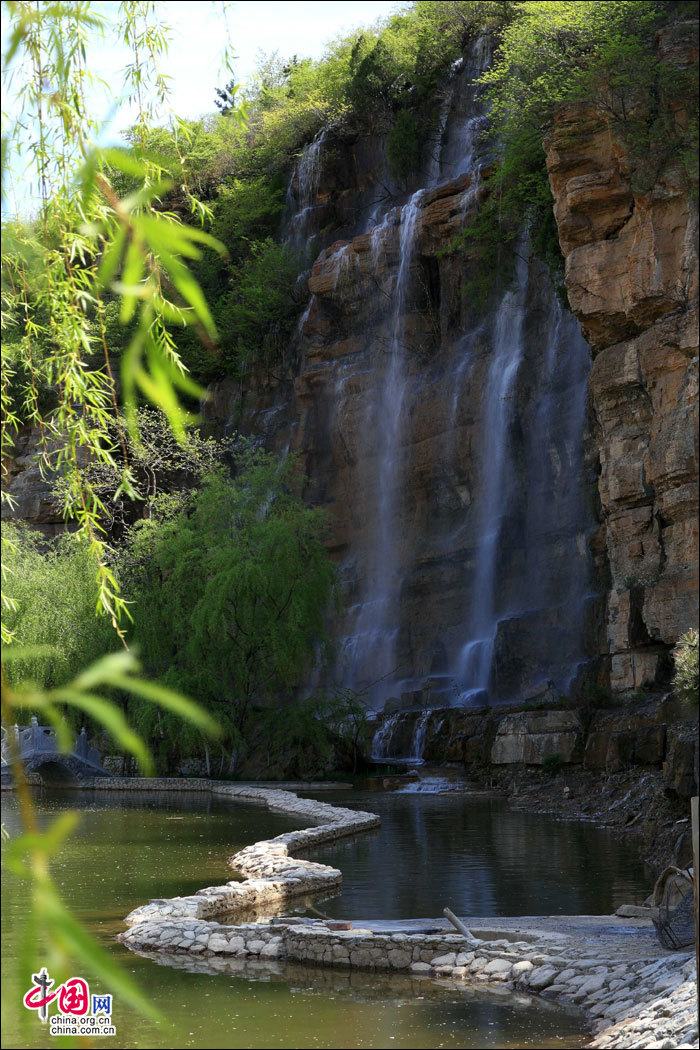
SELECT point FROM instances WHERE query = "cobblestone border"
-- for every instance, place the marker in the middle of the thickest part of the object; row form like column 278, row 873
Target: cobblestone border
column 272, row 875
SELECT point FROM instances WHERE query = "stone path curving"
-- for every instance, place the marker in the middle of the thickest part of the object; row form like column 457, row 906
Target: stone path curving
column 635, row 994
column 272, row 875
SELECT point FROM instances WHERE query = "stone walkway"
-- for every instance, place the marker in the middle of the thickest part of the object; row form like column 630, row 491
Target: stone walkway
column 635, row 994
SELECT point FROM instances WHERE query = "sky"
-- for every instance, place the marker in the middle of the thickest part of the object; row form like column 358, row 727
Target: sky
column 195, row 56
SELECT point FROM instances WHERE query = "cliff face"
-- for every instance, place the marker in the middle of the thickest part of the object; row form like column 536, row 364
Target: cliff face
column 632, row 281
column 456, row 450
column 448, row 442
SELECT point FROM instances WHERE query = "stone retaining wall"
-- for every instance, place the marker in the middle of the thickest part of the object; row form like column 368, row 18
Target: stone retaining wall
column 272, row 875
column 633, row 1003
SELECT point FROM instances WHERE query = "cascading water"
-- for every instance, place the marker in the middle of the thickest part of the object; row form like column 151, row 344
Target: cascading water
column 531, row 557
column 419, row 736
column 461, row 138
column 372, row 644
column 497, row 466
column 301, row 198
column 456, row 438
column 554, row 457
column 381, row 742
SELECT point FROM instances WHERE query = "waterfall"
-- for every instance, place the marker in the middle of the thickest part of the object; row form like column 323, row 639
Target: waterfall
column 382, row 738
column 301, row 202
column 460, row 471
column 468, row 121
column 372, row 647
column 497, row 468
column 556, row 502
column 419, row 734
column 531, row 572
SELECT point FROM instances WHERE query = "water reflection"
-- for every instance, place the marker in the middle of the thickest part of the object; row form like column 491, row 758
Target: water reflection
column 480, row 858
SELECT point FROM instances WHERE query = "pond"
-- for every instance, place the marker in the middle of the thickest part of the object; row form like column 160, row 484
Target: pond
column 478, row 857
column 431, row 849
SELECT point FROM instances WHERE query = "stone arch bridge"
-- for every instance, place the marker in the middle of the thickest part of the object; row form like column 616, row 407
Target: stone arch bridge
column 38, row 748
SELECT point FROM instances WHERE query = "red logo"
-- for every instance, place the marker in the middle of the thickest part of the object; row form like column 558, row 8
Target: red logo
column 73, row 995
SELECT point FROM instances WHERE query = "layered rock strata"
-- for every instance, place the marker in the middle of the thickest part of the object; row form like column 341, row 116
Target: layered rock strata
column 632, row 281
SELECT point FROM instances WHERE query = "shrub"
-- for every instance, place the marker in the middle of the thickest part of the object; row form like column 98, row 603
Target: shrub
column 603, row 53
column 306, row 738
column 230, row 587
column 149, row 468
column 247, row 210
column 552, row 764
column 685, row 678
column 256, row 317
column 52, row 591
column 403, row 145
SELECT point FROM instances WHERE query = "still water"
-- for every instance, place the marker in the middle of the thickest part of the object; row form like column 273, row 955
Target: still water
column 478, row 857
column 431, row 850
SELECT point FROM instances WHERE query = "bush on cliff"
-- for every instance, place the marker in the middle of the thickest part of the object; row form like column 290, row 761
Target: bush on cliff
column 685, row 678
column 600, row 52
column 257, row 314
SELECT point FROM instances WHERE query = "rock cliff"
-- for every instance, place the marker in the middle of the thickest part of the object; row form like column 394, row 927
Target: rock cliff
column 449, row 442
column 632, row 281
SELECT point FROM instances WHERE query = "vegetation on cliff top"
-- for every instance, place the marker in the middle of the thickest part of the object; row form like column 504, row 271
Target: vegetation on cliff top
column 604, row 53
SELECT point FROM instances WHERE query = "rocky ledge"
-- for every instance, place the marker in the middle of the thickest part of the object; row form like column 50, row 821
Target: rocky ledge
column 634, row 993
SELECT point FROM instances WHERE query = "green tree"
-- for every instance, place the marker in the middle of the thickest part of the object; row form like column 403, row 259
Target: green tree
column 53, row 618
column 231, row 588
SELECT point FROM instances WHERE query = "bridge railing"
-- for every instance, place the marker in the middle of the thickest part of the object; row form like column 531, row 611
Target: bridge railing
column 36, row 739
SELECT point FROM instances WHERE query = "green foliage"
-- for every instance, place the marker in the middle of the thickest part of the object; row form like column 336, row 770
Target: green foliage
column 685, row 678
column 604, row 53
column 306, row 738
column 600, row 53
column 230, row 588
column 404, row 145
column 154, row 465
column 53, row 618
column 247, row 210
column 259, row 312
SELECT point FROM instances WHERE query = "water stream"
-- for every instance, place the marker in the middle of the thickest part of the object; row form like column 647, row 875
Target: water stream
column 497, row 468
column 510, row 537
column 301, row 199
column 372, row 643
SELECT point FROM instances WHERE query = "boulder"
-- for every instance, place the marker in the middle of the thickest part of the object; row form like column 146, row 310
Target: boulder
column 456, row 735
column 531, row 737
column 619, row 739
column 680, row 769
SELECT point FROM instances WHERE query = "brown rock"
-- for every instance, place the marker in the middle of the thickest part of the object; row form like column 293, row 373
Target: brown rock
column 631, row 277
column 681, row 766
